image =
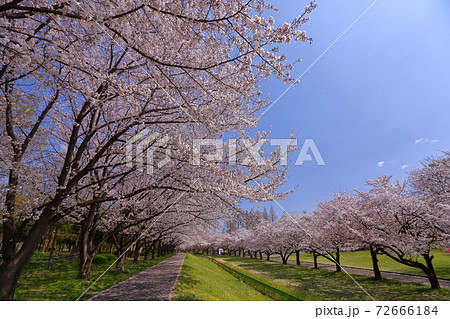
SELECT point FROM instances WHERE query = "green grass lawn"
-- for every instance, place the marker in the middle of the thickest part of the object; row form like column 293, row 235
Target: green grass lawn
column 318, row 284
column 59, row 283
column 201, row 279
column 362, row 259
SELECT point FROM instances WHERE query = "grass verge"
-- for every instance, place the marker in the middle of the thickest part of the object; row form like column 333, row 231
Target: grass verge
column 59, row 283
column 319, row 284
column 201, row 279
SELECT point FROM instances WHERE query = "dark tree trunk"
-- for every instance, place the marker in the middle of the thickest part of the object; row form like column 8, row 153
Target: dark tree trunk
column 338, row 260
column 137, row 250
column 428, row 269
column 86, row 241
column 268, row 255
column 120, row 265
column 431, row 273
column 121, row 254
column 8, row 281
column 297, row 257
column 52, row 247
column 147, row 251
column 315, row 259
column 260, row 254
column 74, row 247
column 14, row 264
column 285, row 257
column 123, row 250
column 376, row 268
column 84, row 267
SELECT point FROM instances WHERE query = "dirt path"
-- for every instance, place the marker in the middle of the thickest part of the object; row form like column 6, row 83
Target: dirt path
column 155, row 283
column 445, row 283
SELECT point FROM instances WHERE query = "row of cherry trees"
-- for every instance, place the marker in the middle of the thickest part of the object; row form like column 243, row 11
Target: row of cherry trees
column 78, row 79
column 403, row 221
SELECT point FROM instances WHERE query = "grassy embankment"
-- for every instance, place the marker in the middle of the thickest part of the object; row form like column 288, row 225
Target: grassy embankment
column 319, row 284
column 59, row 283
column 201, row 279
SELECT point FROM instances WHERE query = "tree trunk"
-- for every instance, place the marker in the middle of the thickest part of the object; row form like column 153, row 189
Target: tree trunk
column 431, row 273
column 315, row 259
column 84, row 267
column 123, row 250
column 137, row 250
column 86, row 241
column 428, row 269
column 147, row 251
column 376, row 268
column 84, row 264
column 8, row 281
column 85, row 261
column 297, row 256
column 120, row 265
column 260, row 254
column 52, row 247
column 13, row 265
column 73, row 248
column 268, row 255
column 338, row 260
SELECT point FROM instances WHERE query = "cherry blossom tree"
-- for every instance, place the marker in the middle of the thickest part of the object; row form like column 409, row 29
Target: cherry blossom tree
column 102, row 71
column 405, row 227
column 354, row 216
column 296, row 232
column 330, row 235
column 433, row 180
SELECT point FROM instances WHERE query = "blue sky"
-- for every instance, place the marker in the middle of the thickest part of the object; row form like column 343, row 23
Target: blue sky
column 377, row 103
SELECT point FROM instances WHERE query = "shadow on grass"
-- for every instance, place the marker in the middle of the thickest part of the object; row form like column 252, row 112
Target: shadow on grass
column 319, row 284
column 187, row 282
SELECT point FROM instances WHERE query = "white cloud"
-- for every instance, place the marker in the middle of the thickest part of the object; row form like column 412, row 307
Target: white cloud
column 405, row 166
column 420, row 140
column 425, row 140
column 380, row 164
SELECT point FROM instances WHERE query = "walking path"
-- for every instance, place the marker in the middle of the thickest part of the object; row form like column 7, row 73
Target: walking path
column 155, row 283
column 445, row 283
